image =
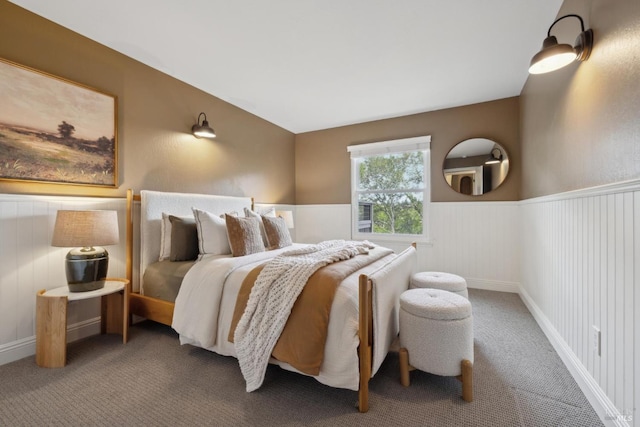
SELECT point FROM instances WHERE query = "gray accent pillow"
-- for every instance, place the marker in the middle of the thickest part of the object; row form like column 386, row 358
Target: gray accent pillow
column 184, row 239
column 244, row 235
column 277, row 232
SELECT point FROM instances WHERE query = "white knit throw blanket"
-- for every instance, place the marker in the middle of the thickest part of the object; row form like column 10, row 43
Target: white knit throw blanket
column 272, row 297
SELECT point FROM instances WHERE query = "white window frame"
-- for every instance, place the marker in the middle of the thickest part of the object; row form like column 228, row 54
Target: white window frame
column 419, row 143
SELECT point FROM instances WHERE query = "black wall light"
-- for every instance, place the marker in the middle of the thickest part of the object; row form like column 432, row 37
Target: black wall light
column 203, row 130
column 554, row 56
column 496, row 157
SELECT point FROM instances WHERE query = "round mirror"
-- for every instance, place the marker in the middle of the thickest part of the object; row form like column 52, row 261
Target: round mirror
column 476, row 166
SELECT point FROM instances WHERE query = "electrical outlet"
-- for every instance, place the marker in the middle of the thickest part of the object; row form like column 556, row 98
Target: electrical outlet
column 596, row 340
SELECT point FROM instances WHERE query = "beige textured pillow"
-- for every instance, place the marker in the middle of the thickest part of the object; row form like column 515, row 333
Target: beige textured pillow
column 264, row 212
column 244, row 235
column 277, row 232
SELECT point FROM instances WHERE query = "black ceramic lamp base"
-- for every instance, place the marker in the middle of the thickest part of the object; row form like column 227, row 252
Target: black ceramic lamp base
column 86, row 268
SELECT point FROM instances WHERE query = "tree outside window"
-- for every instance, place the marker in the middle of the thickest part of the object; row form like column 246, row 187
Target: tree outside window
column 390, row 189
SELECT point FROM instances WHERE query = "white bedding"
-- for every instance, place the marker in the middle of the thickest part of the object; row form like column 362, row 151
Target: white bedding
column 206, row 302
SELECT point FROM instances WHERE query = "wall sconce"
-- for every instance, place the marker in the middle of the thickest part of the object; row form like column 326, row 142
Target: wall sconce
column 87, row 231
column 554, row 56
column 496, row 157
column 203, row 130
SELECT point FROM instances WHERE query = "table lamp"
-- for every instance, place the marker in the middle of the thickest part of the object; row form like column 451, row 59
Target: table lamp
column 86, row 231
column 287, row 216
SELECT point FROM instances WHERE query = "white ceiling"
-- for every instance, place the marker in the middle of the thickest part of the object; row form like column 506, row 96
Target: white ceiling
column 314, row 64
column 471, row 147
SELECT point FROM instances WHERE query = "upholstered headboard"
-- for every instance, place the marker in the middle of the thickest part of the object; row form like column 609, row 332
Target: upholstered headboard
column 154, row 203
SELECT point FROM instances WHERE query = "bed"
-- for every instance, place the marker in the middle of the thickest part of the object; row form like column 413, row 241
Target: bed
column 363, row 319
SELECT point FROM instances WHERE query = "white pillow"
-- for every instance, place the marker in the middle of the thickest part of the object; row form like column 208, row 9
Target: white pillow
column 212, row 233
column 271, row 212
column 165, row 236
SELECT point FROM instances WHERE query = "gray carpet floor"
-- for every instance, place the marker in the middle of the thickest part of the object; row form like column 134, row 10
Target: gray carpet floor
column 519, row 380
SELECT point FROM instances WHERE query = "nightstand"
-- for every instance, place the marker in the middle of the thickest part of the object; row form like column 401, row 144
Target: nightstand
column 51, row 318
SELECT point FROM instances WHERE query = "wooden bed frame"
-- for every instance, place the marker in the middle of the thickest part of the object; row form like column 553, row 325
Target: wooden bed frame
column 162, row 311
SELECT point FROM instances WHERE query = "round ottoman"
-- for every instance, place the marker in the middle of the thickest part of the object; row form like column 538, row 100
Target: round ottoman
column 437, row 280
column 436, row 336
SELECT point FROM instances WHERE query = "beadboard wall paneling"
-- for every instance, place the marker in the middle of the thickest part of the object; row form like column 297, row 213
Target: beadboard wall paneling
column 29, row 263
column 477, row 240
column 571, row 256
column 580, row 258
column 322, row 222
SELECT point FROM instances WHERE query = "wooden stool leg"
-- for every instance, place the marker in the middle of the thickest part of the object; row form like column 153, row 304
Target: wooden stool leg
column 467, row 380
column 404, row 367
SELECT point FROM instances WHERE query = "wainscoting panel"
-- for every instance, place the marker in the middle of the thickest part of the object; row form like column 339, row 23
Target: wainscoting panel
column 29, row 263
column 580, row 258
column 478, row 241
column 573, row 257
column 315, row 223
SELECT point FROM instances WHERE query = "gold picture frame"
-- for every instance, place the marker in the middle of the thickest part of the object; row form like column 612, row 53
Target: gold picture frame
column 53, row 130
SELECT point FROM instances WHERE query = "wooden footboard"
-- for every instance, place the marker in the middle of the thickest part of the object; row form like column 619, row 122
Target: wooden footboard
column 365, row 333
column 365, row 324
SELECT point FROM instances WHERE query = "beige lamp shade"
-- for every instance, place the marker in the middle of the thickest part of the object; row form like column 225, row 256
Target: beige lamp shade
column 85, row 229
column 287, row 216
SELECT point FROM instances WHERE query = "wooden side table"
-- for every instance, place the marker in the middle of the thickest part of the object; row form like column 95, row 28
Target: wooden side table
column 51, row 318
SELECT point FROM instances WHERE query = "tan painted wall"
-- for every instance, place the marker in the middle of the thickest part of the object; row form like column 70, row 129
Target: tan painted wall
column 581, row 124
column 249, row 157
column 323, row 165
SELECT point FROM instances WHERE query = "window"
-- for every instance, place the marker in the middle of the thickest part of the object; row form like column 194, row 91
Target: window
column 390, row 189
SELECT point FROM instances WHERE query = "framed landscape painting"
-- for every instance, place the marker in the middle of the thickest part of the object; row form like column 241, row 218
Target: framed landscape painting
column 54, row 130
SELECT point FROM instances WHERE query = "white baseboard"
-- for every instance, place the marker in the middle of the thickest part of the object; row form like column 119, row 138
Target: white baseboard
column 603, row 406
column 26, row 347
column 492, row 285
column 17, row 350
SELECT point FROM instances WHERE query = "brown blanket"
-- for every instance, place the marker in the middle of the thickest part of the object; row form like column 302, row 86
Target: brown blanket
column 303, row 338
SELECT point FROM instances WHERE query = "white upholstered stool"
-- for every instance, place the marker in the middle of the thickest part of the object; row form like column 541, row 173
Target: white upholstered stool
column 437, row 280
column 436, row 336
